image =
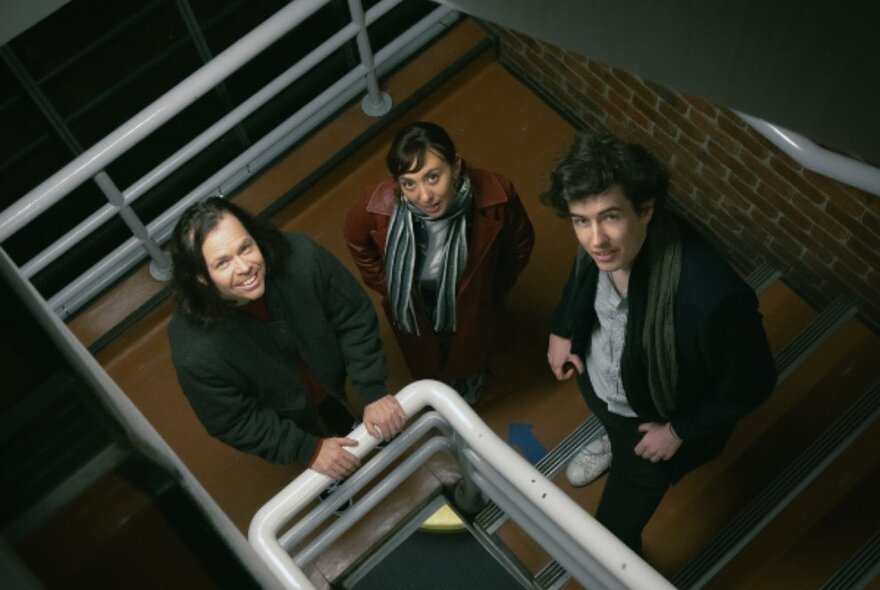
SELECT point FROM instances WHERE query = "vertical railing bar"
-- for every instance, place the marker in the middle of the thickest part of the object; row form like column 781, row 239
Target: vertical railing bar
column 160, row 265
column 185, row 153
column 107, row 36
column 103, row 273
column 204, row 51
column 68, row 240
column 376, row 103
column 150, row 118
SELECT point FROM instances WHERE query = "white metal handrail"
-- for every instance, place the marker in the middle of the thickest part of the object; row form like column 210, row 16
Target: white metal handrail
column 116, row 263
column 191, row 149
column 120, row 260
column 100, row 155
column 617, row 565
column 210, row 135
column 814, row 157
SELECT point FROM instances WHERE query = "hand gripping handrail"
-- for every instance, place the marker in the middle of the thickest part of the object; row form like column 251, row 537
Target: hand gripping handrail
column 622, row 568
column 816, row 158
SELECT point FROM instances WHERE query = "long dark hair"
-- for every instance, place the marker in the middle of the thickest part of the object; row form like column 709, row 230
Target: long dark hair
column 595, row 163
column 194, row 291
column 412, row 143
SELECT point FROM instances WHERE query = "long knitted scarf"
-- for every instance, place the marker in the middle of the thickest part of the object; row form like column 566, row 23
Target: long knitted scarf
column 649, row 358
column 400, row 260
column 651, row 321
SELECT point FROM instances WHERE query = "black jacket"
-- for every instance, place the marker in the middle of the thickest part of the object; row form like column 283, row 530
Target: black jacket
column 240, row 374
column 725, row 366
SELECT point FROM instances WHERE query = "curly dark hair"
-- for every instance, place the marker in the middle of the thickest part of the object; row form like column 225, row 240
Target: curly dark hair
column 595, row 163
column 194, row 291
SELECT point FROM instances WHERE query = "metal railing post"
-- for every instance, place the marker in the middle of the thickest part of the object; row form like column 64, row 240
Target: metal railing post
column 375, row 103
column 160, row 265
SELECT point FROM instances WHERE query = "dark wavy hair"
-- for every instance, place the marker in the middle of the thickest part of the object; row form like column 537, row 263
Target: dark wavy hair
column 194, row 291
column 595, row 163
column 412, row 143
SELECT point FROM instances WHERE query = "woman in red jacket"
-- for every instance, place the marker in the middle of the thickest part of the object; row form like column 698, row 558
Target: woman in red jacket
column 443, row 244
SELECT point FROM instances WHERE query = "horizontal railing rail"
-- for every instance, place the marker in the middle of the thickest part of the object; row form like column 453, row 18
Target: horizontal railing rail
column 602, row 560
column 100, row 155
column 95, row 159
column 816, row 158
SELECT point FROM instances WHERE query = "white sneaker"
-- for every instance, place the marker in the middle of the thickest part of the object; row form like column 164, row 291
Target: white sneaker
column 590, row 462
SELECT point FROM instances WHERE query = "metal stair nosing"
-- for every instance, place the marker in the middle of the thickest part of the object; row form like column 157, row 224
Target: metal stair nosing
column 492, row 517
column 812, row 337
column 781, row 491
column 859, row 569
column 552, row 576
column 41, row 510
column 762, row 277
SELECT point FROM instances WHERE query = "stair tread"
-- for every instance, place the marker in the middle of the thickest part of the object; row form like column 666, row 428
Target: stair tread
column 764, row 444
column 816, row 534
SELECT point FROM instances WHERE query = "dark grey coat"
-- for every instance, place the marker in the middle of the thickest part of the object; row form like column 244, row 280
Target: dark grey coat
column 240, row 374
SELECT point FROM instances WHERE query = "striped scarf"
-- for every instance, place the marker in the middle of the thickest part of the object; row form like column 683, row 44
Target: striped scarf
column 400, row 260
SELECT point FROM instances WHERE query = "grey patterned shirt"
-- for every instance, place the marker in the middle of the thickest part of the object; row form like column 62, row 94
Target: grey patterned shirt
column 606, row 346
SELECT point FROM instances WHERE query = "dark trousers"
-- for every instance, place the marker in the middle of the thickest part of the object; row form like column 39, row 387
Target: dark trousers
column 635, row 486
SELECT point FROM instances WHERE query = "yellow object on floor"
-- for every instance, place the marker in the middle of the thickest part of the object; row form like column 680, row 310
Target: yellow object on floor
column 445, row 520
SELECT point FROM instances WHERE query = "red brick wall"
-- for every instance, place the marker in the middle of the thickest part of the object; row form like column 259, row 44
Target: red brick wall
column 756, row 202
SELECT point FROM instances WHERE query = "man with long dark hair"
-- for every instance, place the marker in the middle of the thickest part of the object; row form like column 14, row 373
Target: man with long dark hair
column 268, row 327
column 664, row 336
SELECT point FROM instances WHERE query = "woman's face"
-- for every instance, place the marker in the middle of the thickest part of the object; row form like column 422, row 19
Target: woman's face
column 432, row 187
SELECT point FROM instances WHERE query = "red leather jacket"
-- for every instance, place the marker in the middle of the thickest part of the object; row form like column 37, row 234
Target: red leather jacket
column 499, row 247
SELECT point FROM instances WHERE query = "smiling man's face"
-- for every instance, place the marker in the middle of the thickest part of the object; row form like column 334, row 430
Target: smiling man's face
column 235, row 263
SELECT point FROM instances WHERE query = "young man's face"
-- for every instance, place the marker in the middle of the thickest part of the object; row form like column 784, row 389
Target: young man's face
column 609, row 229
column 235, row 263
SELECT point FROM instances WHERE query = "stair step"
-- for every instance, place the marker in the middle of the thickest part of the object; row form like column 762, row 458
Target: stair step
column 863, row 567
column 492, row 517
column 790, row 482
column 53, row 443
column 820, row 531
column 819, row 330
column 762, row 277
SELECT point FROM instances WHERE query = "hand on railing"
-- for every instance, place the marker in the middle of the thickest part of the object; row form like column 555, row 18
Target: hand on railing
column 333, row 460
column 384, row 418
